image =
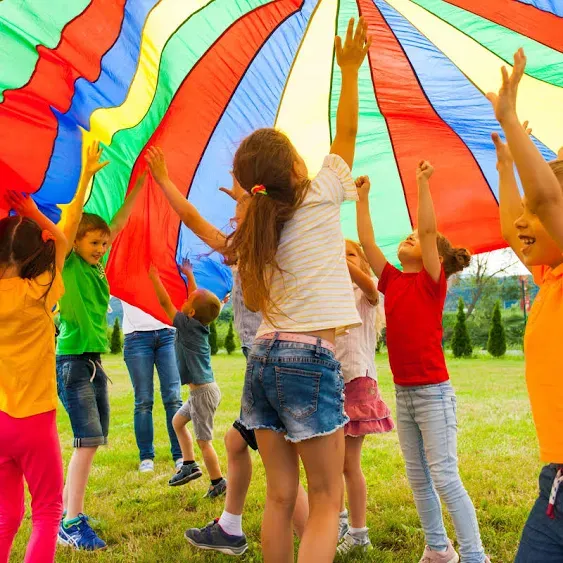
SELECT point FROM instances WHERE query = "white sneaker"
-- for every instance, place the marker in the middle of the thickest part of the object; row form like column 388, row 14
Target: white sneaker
column 343, row 527
column 351, row 541
column 448, row 556
column 178, row 464
column 147, row 465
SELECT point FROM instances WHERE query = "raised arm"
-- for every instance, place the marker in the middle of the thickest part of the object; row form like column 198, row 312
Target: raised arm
column 124, row 212
column 187, row 270
column 350, row 57
column 162, row 294
column 373, row 253
column 365, row 283
column 544, row 196
column 188, row 213
column 74, row 212
column 510, row 200
column 427, row 229
column 26, row 207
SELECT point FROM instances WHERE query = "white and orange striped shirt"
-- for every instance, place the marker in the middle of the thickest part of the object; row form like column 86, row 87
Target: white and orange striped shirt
column 313, row 291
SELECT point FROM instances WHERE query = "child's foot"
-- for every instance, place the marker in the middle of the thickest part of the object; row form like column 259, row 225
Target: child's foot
column 353, row 541
column 185, row 474
column 217, row 490
column 79, row 535
column 448, row 556
column 178, row 463
column 146, row 466
column 343, row 526
column 214, row 538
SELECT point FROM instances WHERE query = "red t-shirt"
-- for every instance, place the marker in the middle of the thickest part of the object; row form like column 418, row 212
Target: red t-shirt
column 413, row 308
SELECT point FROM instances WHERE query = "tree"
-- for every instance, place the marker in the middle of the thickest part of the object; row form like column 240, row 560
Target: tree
column 115, row 346
column 230, row 345
column 496, row 345
column 213, row 338
column 461, row 343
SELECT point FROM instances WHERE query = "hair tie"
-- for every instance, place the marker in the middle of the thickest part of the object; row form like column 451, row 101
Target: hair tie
column 260, row 189
column 47, row 235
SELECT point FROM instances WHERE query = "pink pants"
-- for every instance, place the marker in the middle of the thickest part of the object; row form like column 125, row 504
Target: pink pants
column 30, row 449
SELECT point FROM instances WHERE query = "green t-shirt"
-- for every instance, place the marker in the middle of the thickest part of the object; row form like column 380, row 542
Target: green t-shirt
column 83, row 308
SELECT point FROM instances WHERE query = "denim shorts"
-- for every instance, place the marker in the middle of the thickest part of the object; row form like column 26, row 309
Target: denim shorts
column 294, row 388
column 83, row 391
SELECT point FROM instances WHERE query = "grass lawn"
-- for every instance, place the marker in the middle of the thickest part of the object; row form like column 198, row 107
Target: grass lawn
column 143, row 519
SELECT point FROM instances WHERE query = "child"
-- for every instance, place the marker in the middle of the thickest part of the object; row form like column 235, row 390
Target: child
column 368, row 413
column 81, row 380
column 225, row 534
column 533, row 227
column 32, row 252
column 290, row 256
column 193, row 355
column 426, row 403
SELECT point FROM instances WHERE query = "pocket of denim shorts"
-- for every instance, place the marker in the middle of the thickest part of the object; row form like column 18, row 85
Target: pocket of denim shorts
column 298, row 391
column 247, row 398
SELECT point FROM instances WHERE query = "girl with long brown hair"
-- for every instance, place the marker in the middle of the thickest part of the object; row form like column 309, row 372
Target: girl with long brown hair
column 290, row 255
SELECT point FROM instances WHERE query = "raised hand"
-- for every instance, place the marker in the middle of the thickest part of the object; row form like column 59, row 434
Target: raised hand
column 504, row 156
column 22, row 204
column 504, row 103
column 351, row 55
column 186, row 266
column 363, row 185
column 93, row 155
column 424, row 170
column 236, row 191
column 157, row 164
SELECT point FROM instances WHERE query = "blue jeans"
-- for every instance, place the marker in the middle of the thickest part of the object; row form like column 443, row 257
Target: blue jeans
column 142, row 351
column 83, row 390
column 427, row 429
column 293, row 388
column 542, row 538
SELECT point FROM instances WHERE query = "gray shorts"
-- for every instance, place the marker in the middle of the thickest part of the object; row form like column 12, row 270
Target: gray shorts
column 200, row 409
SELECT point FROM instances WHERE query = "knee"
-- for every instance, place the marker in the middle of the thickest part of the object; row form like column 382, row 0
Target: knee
column 235, row 443
column 143, row 404
column 205, row 446
column 353, row 471
column 449, row 487
column 10, row 521
column 282, row 499
column 178, row 422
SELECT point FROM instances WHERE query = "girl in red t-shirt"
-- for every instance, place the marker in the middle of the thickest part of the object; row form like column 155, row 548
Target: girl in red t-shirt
column 426, row 402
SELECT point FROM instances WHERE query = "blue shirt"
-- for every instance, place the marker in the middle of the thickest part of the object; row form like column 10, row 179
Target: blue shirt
column 193, row 352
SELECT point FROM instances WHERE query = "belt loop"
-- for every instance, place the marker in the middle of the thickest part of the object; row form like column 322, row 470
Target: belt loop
column 318, row 348
column 270, row 346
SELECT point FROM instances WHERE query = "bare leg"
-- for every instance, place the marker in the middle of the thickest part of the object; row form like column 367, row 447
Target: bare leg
column 179, row 423
column 210, row 459
column 355, row 481
column 77, row 480
column 282, row 476
column 323, row 458
column 301, row 512
column 239, row 471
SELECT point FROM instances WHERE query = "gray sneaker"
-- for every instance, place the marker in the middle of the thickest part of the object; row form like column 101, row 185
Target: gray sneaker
column 213, row 537
column 448, row 556
column 352, row 542
column 343, row 527
column 217, row 490
column 185, row 474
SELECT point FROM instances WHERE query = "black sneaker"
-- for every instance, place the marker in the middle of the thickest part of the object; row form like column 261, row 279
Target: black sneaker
column 217, row 490
column 185, row 474
column 213, row 537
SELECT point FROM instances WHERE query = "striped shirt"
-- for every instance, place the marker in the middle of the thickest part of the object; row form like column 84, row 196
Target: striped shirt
column 313, row 291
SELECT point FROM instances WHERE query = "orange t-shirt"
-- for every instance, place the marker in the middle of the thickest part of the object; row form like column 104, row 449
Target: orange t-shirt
column 28, row 383
column 544, row 366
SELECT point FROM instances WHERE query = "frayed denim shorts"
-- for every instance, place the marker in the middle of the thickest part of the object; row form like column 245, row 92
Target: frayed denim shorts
column 294, row 388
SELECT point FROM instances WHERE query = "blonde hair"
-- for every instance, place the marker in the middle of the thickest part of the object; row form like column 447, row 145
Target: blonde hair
column 557, row 168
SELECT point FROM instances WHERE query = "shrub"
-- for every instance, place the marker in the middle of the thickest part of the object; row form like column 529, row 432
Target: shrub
column 496, row 345
column 213, row 338
column 230, row 344
column 115, row 344
column 461, row 343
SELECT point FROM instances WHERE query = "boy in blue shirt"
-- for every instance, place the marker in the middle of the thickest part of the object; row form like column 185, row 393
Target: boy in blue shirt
column 193, row 355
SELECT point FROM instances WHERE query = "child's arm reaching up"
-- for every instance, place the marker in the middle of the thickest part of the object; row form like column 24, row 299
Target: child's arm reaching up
column 373, row 253
column 365, row 283
column 188, row 213
column 162, row 294
column 123, row 213
column 350, row 57
column 187, row 270
column 26, row 207
column 544, row 196
column 74, row 213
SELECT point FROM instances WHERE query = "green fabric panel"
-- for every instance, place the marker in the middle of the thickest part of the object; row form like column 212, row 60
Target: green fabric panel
column 180, row 55
column 25, row 24
column 374, row 157
column 543, row 63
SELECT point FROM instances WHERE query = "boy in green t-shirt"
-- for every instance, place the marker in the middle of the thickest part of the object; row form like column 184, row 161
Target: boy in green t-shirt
column 81, row 380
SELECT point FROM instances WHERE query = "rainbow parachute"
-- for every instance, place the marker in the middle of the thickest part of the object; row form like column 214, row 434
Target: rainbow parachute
column 196, row 76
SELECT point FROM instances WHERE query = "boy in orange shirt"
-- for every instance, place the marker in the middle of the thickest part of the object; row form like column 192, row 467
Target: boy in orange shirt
column 533, row 226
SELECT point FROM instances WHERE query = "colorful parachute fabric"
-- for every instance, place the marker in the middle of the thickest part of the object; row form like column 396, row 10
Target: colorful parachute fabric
column 196, row 76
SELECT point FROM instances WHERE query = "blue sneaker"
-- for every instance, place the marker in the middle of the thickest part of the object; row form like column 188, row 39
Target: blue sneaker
column 213, row 537
column 80, row 536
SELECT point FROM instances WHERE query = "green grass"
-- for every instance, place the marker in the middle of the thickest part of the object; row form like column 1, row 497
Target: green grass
column 143, row 519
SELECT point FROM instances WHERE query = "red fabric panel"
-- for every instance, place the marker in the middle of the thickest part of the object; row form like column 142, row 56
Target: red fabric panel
column 27, row 122
column 462, row 198
column 527, row 20
column 152, row 232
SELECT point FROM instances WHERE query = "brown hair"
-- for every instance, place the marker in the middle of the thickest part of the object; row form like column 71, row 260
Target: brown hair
column 206, row 306
column 557, row 167
column 91, row 222
column 266, row 157
column 22, row 246
column 454, row 259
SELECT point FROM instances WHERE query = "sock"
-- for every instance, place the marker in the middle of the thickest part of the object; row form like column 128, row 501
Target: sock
column 358, row 531
column 68, row 523
column 189, row 462
column 216, row 481
column 360, row 535
column 231, row 523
